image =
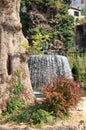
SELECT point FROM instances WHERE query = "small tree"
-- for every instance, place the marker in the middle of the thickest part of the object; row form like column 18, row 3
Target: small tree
column 65, row 26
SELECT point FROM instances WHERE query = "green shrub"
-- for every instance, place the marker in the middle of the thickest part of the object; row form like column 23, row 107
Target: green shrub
column 61, row 25
column 34, row 115
column 65, row 27
column 76, row 72
column 77, row 62
column 14, row 104
column 18, row 88
column 41, row 116
column 61, row 95
column 83, row 79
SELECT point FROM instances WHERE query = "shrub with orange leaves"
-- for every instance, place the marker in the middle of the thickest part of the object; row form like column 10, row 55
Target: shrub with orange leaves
column 61, row 95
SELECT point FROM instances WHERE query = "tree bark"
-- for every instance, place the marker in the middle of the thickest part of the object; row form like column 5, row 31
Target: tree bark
column 11, row 53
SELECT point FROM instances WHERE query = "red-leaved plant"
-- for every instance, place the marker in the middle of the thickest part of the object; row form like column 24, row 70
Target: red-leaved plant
column 61, row 95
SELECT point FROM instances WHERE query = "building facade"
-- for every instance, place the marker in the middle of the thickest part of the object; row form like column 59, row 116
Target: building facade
column 80, row 4
column 75, row 12
column 78, row 9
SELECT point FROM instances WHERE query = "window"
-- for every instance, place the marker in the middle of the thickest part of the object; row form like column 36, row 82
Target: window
column 76, row 13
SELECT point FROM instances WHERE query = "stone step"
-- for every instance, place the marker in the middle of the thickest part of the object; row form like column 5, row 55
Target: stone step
column 38, row 95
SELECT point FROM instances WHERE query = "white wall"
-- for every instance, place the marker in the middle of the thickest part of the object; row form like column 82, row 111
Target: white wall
column 77, row 4
column 71, row 12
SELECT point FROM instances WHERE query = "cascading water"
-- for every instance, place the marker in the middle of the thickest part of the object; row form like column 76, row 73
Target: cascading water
column 44, row 69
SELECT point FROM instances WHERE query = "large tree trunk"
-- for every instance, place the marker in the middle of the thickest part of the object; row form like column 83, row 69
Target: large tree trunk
column 11, row 53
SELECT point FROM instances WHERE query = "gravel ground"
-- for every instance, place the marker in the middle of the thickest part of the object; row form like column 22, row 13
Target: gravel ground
column 77, row 121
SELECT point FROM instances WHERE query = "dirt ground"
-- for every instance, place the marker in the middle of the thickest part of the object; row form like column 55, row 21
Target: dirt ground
column 76, row 121
column 77, row 118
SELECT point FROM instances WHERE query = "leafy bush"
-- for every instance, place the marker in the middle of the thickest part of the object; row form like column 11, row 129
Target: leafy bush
column 77, row 62
column 61, row 95
column 76, row 72
column 42, row 116
column 82, row 20
column 60, row 22
column 39, row 40
column 33, row 115
column 14, row 104
column 18, row 87
column 65, row 26
column 83, row 80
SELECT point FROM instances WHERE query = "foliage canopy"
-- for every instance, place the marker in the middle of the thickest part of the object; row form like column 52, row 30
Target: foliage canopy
column 42, row 38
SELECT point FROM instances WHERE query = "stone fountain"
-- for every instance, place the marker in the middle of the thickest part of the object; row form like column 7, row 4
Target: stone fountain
column 44, row 69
